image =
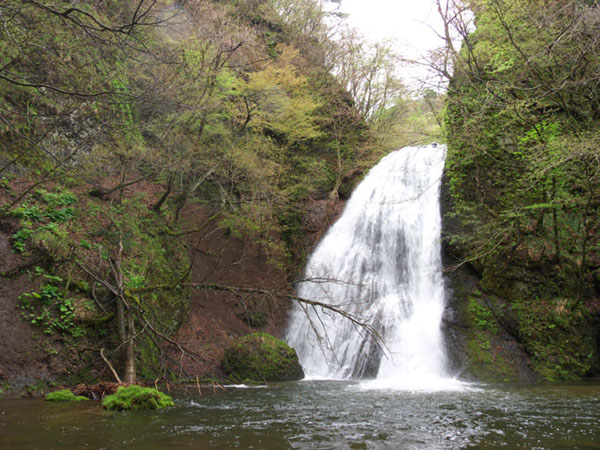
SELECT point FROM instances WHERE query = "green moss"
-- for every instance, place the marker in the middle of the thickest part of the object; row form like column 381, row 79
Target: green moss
column 486, row 362
column 488, row 359
column 64, row 395
column 136, row 398
column 557, row 337
column 261, row 357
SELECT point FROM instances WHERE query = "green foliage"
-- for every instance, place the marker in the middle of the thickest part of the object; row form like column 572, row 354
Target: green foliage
column 523, row 144
column 20, row 239
column 481, row 316
column 30, row 213
column 281, row 100
column 261, row 357
column 64, row 395
column 126, row 110
column 150, row 258
column 56, row 199
column 136, row 398
column 42, row 221
column 557, row 337
column 49, row 309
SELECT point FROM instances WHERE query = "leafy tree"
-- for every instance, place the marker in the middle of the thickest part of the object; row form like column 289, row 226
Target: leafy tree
column 277, row 99
column 522, row 129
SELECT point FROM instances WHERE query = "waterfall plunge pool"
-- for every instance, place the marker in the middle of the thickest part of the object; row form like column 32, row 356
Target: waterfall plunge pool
column 321, row 415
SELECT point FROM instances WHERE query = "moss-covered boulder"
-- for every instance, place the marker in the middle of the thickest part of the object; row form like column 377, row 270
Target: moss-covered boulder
column 136, row 398
column 64, row 395
column 261, row 357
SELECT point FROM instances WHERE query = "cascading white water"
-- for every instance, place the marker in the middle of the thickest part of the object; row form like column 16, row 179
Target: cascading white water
column 381, row 263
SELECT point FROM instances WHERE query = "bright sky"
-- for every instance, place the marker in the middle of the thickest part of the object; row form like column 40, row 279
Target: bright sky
column 409, row 22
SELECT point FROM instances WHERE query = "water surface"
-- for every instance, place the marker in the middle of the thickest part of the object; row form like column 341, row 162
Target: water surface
column 321, row 415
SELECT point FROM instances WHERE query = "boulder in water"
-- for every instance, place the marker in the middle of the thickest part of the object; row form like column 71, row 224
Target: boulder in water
column 261, row 357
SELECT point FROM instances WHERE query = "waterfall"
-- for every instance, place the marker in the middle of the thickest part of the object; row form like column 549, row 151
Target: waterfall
column 381, row 263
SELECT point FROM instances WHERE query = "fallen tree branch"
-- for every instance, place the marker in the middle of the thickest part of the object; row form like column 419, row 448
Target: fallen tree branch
column 237, row 290
column 110, row 366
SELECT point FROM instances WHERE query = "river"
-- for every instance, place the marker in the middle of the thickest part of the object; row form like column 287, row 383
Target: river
column 321, row 415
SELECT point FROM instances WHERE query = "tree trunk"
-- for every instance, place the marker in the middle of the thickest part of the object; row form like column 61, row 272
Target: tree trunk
column 130, row 376
column 125, row 318
column 122, row 328
column 163, row 198
column 555, row 224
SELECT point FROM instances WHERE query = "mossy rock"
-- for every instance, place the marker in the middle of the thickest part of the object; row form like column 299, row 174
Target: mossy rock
column 261, row 357
column 136, row 398
column 64, row 395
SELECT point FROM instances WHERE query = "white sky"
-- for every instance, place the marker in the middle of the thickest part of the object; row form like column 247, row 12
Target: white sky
column 409, row 22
